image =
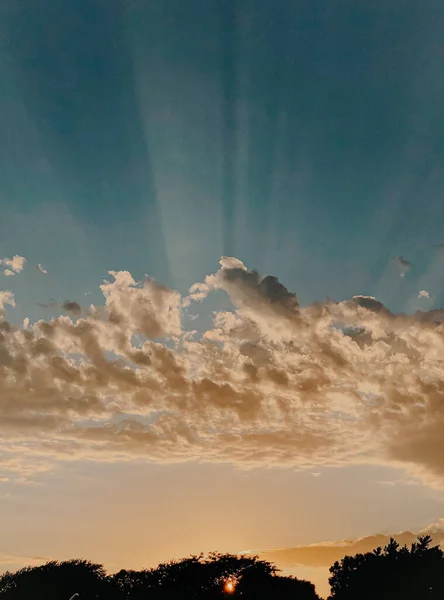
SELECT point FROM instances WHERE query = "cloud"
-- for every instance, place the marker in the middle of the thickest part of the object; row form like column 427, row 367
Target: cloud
column 41, row 269
column 6, row 299
column 10, row 562
column 314, row 561
column 401, row 264
column 423, row 294
column 72, row 307
column 16, row 264
column 326, row 553
column 66, row 305
column 269, row 383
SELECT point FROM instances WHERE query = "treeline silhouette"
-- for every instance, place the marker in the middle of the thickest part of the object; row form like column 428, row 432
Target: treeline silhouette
column 194, row 578
column 389, row 573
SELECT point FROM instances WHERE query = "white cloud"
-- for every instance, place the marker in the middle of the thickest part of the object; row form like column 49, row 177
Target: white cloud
column 269, row 383
column 423, row 294
column 6, row 298
column 16, row 264
column 41, row 269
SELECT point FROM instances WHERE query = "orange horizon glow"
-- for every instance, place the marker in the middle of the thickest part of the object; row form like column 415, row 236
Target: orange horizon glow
column 229, row 587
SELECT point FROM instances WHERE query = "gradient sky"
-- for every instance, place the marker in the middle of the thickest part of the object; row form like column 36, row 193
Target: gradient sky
column 304, row 138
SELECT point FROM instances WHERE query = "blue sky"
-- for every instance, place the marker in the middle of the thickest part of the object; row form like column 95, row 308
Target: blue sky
column 305, row 138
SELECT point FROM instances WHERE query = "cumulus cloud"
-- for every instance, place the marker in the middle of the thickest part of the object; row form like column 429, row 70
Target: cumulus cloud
column 41, row 270
column 14, row 265
column 423, row 294
column 271, row 382
column 6, row 298
column 401, row 264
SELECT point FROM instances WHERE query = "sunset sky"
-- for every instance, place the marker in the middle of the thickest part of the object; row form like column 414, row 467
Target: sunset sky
column 222, row 268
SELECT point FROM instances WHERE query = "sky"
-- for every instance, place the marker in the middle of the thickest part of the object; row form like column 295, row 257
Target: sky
column 221, row 275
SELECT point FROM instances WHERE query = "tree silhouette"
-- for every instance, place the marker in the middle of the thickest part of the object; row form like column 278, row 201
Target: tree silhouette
column 214, row 577
column 205, row 578
column 390, row 573
column 57, row 580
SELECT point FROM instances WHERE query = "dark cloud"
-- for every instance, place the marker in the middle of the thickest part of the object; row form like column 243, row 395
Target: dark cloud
column 72, row 307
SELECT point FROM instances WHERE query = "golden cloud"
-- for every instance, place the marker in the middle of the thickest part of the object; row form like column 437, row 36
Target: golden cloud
column 271, row 383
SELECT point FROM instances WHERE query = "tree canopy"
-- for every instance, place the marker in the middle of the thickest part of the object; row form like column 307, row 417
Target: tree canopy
column 211, row 577
column 391, row 573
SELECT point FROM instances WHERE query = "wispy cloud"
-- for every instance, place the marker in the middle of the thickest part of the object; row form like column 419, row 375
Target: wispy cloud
column 72, row 307
column 41, row 269
column 271, row 382
column 401, row 264
column 10, row 561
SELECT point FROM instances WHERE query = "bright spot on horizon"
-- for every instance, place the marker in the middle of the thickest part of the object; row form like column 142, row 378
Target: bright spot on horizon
column 229, row 587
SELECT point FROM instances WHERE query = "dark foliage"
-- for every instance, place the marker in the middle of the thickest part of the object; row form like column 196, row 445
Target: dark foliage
column 194, row 578
column 56, row 580
column 391, row 573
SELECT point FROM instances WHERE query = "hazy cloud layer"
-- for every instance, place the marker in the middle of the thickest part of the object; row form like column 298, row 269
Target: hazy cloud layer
column 313, row 562
column 325, row 554
column 270, row 383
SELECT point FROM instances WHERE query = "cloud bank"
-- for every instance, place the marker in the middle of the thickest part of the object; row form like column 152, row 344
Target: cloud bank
column 270, row 383
column 325, row 554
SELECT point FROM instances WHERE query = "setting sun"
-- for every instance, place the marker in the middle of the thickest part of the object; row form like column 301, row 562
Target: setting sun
column 229, row 587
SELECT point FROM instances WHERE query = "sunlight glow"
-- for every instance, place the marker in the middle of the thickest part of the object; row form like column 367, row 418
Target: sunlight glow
column 229, row 587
